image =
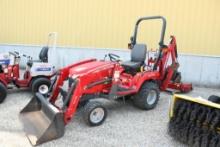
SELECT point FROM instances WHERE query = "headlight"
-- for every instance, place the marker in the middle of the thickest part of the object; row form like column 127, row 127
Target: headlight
column 73, row 76
column 6, row 70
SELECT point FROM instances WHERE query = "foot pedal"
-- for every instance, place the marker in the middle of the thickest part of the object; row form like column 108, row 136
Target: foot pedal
column 121, row 89
column 115, row 89
column 10, row 87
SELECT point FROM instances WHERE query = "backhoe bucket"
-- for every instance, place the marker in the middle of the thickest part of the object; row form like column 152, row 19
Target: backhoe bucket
column 41, row 120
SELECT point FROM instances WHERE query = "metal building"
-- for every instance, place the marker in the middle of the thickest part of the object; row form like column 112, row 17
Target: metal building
column 83, row 25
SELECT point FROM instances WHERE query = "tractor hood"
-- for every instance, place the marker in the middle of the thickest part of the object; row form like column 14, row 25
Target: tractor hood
column 94, row 66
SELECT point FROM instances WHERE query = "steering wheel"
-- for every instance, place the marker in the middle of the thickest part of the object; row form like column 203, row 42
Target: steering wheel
column 13, row 54
column 114, row 57
column 28, row 57
column 17, row 53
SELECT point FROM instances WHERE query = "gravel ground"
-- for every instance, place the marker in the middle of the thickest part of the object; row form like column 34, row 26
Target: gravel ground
column 125, row 126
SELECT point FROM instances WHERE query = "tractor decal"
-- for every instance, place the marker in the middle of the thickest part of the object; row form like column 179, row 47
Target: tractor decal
column 44, row 69
column 6, row 61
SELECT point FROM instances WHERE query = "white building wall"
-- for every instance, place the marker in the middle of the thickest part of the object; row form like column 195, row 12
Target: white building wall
column 200, row 70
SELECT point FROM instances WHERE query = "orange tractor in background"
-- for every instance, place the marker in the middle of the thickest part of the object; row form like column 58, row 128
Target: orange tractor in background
column 141, row 79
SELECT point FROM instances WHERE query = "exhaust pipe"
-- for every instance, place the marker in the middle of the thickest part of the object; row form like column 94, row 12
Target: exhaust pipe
column 42, row 121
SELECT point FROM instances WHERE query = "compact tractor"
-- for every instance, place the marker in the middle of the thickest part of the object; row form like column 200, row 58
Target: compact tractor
column 140, row 79
column 36, row 76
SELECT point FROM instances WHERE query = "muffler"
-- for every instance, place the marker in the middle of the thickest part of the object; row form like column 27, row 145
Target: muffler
column 42, row 121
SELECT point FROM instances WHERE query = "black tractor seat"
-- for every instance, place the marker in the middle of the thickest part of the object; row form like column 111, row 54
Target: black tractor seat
column 1, row 69
column 131, row 65
column 43, row 56
column 138, row 56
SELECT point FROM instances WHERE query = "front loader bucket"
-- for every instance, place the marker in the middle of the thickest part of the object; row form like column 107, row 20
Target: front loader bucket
column 41, row 120
column 195, row 121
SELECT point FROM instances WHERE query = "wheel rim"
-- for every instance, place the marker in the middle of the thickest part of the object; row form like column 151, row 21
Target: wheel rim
column 152, row 97
column 43, row 89
column 97, row 115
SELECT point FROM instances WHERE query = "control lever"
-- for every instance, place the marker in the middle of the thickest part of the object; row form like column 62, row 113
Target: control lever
column 16, row 52
column 29, row 57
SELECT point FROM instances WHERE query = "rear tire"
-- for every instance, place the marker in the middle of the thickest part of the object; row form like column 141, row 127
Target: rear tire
column 3, row 92
column 214, row 99
column 94, row 113
column 40, row 85
column 147, row 97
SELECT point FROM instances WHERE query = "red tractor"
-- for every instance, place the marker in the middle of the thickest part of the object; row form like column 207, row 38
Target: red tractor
column 45, row 118
column 36, row 76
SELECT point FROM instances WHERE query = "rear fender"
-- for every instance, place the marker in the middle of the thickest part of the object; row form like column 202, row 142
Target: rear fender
column 31, row 79
column 141, row 78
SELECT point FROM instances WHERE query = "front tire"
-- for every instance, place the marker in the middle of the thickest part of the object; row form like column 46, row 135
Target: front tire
column 147, row 97
column 3, row 92
column 94, row 113
column 41, row 85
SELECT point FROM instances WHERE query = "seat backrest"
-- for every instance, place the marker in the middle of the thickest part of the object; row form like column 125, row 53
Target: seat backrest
column 138, row 53
column 43, row 56
column 1, row 69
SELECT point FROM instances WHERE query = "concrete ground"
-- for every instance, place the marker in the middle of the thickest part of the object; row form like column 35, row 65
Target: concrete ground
column 125, row 126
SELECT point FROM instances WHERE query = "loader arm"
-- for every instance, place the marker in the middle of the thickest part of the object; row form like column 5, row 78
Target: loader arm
column 44, row 120
column 62, row 76
column 73, row 99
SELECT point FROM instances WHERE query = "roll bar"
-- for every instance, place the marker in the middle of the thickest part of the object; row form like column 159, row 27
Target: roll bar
column 134, row 37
